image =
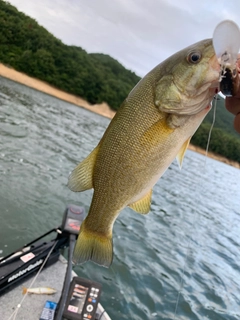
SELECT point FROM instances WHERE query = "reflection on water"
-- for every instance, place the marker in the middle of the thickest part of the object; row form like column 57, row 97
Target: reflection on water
column 193, row 225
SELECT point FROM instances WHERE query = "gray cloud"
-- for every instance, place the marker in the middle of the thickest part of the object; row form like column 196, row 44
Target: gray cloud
column 138, row 33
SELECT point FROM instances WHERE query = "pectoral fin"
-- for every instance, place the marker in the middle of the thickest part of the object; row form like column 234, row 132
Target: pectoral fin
column 142, row 205
column 81, row 177
column 182, row 151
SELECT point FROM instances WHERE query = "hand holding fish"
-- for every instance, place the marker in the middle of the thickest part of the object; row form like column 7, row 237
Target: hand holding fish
column 233, row 103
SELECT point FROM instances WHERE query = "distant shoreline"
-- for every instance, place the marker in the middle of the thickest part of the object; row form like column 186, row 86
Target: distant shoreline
column 102, row 109
column 9, row 73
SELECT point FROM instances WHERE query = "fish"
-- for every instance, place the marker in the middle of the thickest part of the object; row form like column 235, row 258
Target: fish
column 40, row 290
column 152, row 127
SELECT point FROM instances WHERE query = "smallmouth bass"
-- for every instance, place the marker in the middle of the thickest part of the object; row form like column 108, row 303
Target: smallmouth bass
column 153, row 126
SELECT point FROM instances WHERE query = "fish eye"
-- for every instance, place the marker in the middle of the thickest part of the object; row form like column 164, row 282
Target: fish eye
column 194, row 57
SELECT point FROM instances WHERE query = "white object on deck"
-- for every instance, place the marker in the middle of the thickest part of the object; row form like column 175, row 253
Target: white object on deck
column 32, row 306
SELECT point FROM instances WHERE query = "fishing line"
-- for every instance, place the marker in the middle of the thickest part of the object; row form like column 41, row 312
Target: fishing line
column 14, row 314
column 196, row 205
column 102, row 314
column 210, row 131
column 235, row 190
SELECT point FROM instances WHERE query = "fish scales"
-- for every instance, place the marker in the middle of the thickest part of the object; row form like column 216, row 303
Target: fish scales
column 152, row 127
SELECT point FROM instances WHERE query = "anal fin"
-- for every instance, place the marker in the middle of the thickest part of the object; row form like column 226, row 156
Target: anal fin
column 143, row 205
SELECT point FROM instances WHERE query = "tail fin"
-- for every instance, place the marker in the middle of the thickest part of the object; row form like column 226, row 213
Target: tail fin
column 94, row 246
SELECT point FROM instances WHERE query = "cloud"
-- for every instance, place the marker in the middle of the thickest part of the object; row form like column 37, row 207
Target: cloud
column 138, row 33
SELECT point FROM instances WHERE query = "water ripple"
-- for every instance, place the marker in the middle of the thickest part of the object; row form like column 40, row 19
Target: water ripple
column 188, row 244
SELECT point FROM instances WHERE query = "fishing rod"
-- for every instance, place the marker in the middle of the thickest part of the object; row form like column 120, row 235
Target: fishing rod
column 79, row 298
column 67, row 280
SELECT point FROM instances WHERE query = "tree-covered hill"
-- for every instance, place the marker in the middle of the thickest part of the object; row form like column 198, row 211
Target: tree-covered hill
column 221, row 142
column 224, row 139
column 224, row 119
column 28, row 47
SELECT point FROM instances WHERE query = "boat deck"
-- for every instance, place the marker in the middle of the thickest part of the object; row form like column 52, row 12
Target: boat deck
column 33, row 304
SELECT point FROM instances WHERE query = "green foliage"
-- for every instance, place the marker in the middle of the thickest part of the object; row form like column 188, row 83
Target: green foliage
column 116, row 79
column 29, row 48
column 224, row 140
column 224, row 119
column 221, row 142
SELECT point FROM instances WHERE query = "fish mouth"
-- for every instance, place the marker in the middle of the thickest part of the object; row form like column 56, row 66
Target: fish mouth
column 214, row 76
column 200, row 98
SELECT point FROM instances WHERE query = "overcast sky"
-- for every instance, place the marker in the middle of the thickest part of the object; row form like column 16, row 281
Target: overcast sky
column 138, row 33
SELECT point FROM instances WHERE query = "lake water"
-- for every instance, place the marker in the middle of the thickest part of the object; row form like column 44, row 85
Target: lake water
column 181, row 261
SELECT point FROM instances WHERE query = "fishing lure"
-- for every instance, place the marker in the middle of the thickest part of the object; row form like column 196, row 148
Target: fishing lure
column 226, row 43
column 41, row 290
